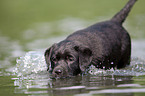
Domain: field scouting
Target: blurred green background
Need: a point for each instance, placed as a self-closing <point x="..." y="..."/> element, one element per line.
<point x="16" y="16"/>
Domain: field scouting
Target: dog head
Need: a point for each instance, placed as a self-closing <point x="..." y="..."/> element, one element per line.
<point x="67" y="58"/>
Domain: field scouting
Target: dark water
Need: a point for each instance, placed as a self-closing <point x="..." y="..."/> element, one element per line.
<point x="28" y="27"/>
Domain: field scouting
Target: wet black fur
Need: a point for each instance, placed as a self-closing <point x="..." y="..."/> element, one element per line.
<point x="105" y="45"/>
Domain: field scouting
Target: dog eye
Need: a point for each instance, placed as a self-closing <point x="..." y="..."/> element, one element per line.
<point x="54" y="60"/>
<point x="69" y="58"/>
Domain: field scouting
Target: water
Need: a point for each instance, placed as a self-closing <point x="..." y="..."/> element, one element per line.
<point x="24" y="73"/>
<point x="27" y="28"/>
<point x="33" y="79"/>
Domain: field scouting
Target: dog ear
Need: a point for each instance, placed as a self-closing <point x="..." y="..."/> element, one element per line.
<point x="85" y="56"/>
<point x="47" y="55"/>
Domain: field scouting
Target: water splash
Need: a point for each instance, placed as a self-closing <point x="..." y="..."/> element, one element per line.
<point x="31" y="62"/>
<point x="31" y="73"/>
<point x="136" y="68"/>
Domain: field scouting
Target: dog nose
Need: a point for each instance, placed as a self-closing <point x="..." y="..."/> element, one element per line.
<point x="58" y="72"/>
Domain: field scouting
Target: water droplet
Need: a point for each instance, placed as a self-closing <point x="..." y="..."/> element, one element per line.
<point x="112" y="63"/>
<point x="103" y="67"/>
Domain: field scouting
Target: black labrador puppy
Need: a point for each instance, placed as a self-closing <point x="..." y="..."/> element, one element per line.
<point x="105" y="45"/>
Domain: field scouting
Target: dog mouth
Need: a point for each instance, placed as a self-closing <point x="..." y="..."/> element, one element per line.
<point x="60" y="73"/>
